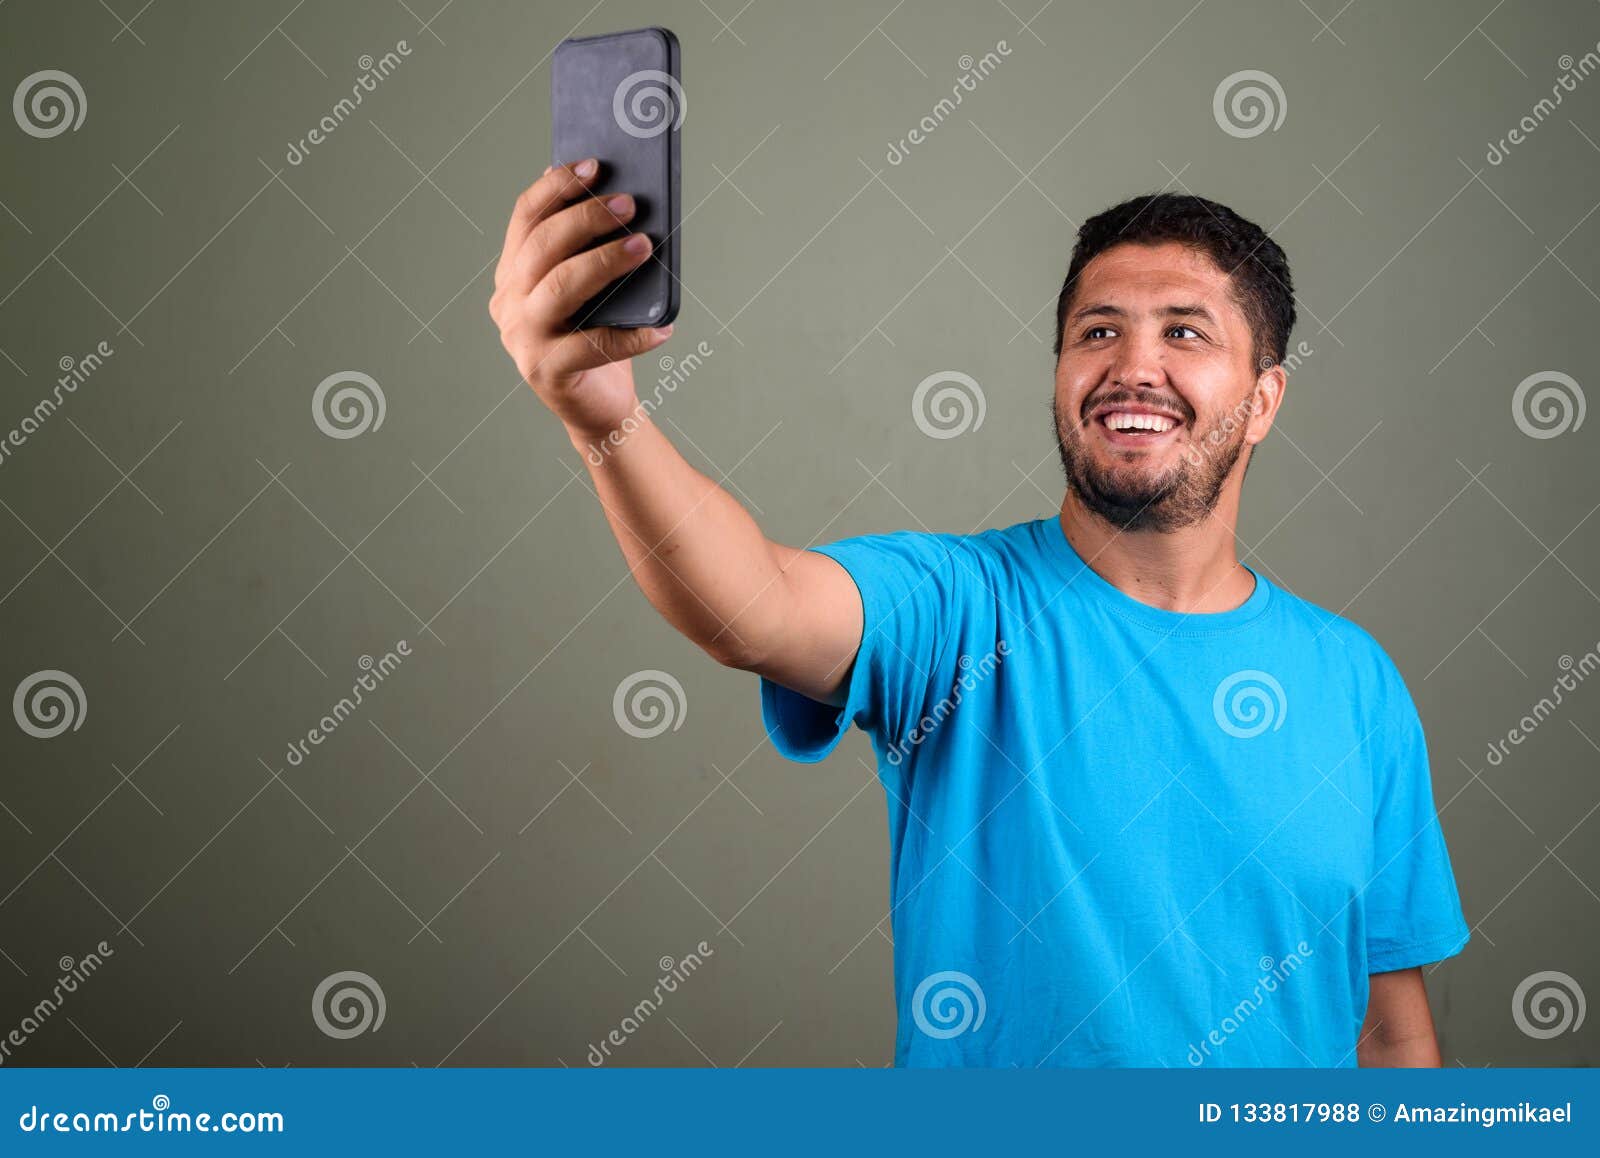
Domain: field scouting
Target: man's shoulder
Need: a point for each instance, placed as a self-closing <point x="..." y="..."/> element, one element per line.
<point x="1007" y="546"/>
<point x="1343" y="643"/>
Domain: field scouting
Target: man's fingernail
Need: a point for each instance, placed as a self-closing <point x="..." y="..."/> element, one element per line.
<point x="664" y="331"/>
<point x="621" y="205"/>
<point x="586" y="169"/>
<point x="636" y="244"/>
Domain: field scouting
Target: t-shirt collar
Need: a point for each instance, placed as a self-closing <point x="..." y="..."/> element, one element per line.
<point x="1092" y="585"/>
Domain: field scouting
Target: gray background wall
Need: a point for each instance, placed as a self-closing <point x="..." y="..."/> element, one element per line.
<point x="482" y="838"/>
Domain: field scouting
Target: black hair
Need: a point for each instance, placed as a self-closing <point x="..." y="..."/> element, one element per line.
<point x="1256" y="264"/>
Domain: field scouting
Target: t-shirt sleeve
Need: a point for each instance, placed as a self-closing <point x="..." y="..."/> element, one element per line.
<point x="909" y="583"/>
<point x="1413" y="910"/>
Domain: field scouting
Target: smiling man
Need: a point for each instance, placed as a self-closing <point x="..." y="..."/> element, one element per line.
<point x="1145" y="807"/>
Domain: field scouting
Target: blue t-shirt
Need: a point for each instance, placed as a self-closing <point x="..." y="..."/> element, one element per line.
<point x="1125" y="836"/>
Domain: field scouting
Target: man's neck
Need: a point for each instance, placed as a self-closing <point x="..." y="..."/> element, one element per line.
<point x="1190" y="570"/>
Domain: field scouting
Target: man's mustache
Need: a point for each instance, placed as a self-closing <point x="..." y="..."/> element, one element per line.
<point x="1133" y="398"/>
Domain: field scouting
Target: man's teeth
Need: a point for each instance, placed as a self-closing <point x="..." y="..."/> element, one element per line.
<point x="1154" y="422"/>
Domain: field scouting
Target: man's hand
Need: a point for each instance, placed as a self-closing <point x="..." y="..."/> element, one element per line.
<point x="545" y="275"/>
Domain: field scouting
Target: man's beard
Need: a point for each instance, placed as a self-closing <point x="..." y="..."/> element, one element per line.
<point x="1132" y="498"/>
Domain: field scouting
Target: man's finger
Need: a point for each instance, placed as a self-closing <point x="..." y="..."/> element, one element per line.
<point x="565" y="288"/>
<point x="587" y="349"/>
<point x="563" y="234"/>
<point x="558" y="185"/>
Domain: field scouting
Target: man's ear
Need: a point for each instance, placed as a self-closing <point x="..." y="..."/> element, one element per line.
<point x="1268" y="396"/>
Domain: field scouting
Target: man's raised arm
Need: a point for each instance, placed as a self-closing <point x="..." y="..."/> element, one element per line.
<point x="791" y="615"/>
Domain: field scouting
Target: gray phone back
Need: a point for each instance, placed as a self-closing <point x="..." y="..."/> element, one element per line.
<point x="618" y="98"/>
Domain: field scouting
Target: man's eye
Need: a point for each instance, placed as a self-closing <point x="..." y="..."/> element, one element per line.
<point x="1097" y="332"/>
<point x="1192" y="331"/>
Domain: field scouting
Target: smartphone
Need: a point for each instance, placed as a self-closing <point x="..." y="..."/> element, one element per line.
<point x="619" y="98"/>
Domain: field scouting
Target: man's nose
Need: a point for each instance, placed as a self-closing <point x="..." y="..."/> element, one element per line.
<point x="1139" y="364"/>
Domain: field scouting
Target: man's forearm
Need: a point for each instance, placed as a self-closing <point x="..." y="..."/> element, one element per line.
<point x="1398" y="1028"/>
<point x="791" y="615"/>
<point x="699" y="557"/>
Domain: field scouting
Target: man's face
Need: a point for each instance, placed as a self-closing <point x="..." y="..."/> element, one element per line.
<point x="1156" y="388"/>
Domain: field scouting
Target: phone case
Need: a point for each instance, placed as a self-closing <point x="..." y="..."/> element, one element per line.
<point x="618" y="98"/>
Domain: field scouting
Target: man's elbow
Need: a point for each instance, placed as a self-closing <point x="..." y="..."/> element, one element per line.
<point x="1415" y="1049"/>
<point x="731" y="651"/>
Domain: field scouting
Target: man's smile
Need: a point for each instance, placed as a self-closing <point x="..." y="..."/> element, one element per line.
<point x="1123" y="425"/>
